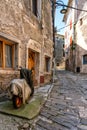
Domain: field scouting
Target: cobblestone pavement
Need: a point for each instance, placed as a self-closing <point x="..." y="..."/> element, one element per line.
<point x="65" y="108"/>
<point x="8" y="122"/>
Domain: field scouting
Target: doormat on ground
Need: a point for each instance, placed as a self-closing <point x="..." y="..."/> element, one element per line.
<point x="28" y="111"/>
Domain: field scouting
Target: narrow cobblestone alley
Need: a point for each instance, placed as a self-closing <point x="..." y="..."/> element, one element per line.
<point x="65" y="108"/>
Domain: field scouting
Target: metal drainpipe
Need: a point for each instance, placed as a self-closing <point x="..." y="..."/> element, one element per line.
<point x="53" y="20"/>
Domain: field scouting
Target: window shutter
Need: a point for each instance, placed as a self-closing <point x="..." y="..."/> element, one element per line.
<point x="29" y="4"/>
<point x="39" y="9"/>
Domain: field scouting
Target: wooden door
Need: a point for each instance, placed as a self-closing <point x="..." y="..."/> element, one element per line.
<point x="31" y="62"/>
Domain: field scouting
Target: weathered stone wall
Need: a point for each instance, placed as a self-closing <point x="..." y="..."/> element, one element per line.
<point x="79" y="59"/>
<point x="47" y="46"/>
<point x="81" y="5"/>
<point x="81" y="36"/>
<point x="6" y="77"/>
<point x="47" y="78"/>
<point x="47" y="19"/>
<point x="59" y="47"/>
<point x="18" y="22"/>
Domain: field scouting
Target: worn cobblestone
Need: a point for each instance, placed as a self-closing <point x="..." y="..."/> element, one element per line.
<point x="65" y="107"/>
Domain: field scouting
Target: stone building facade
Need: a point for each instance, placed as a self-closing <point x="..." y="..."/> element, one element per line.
<point x="59" y="49"/>
<point x="75" y="37"/>
<point x="25" y="39"/>
<point x="81" y="37"/>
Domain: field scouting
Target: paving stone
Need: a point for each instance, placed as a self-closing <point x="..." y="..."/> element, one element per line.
<point x="46" y="125"/>
<point x="26" y="125"/>
<point x="70" y="113"/>
<point x="65" y="108"/>
<point x="53" y="95"/>
<point x="83" y="121"/>
<point x="45" y="114"/>
<point x="82" y="127"/>
<point x="48" y="113"/>
<point x="60" y="127"/>
<point x="37" y="127"/>
<point x="58" y="101"/>
<point x="82" y="112"/>
<point x="64" y="121"/>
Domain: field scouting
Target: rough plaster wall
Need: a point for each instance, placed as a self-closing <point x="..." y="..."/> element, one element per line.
<point x="80" y="53"/>
<point x="47" y="46"/>
<point x="10" y="17"/>
<point x="82" y="36"/>
<point x="47" y="19"/>
<point x="59" y="50"/>
<point x="6" y="77"/>
<point x="81" y="33"/>
<point x="17" y="20"/>
<point x="82" y="4"/>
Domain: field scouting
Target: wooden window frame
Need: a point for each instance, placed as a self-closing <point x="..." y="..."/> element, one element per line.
<point x="5" y="42"/>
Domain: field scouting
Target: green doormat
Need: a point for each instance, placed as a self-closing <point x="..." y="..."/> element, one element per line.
<point x="28" y="111"/>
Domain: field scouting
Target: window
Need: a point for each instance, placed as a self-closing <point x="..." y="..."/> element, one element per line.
<point x="81" y="21"/>
<point x="47" y="64"/>
<point x="63" y="46"/>
<point x="85" y="59"/>
<point x="63" y="53"/>
<point x="1" y="55"/>
<point x="8" y="54"/>
<point x="34" y="7"/>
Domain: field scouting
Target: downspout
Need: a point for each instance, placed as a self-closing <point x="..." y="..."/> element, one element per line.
<point x="53" y="21"/>
<point x="74" y="37"/>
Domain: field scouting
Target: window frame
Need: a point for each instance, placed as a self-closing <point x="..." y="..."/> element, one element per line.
<point x="35" y="8"/>
<point x="1" y="53"/>
<point x="6" y="42"/>
<point x="84" y="61"/>
<point x="47" y="68"/>
<point x="81" y="21"/>
<point x="38" y="7"/>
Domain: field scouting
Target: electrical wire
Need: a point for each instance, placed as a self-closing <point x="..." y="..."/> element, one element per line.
<point x="59" y="4"/>
<point x="69" y="24"/>
<point x="75" y="8"/>
<point x="63" y="27"/>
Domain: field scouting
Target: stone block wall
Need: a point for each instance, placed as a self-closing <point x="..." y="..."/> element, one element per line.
<point x="20" y="25"/>
<point x="47" y="77"/>
<point x="81" y="39"/>
<point x="59" y="48"/>
<point x="5" y="79"/>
